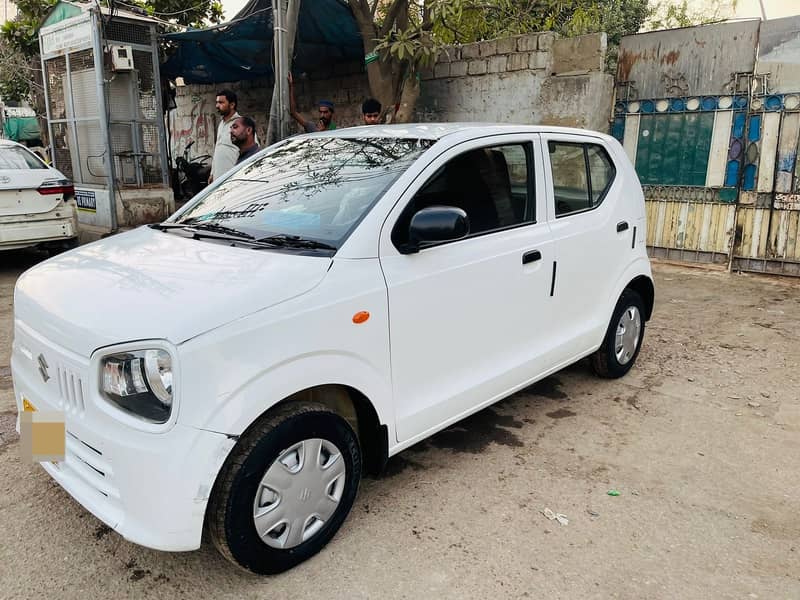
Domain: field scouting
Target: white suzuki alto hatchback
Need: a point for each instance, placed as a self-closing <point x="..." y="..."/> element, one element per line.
<point x="338" y="298"/>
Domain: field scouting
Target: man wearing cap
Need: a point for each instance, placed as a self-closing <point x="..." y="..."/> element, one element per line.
<point x="325" y="121"/>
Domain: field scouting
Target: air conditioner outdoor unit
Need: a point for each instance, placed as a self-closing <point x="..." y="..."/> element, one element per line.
<point x="121" y="58"/>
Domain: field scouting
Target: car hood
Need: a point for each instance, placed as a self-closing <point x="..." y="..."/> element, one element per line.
<point x="149" y="284"/>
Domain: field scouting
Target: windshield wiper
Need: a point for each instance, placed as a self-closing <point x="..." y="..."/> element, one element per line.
<point x="295" y="241"/>
<point x="213" y="227"/>
<point x="280" y="240"/>
<point x="165" y="225"/>
<point x="217" y="228"/>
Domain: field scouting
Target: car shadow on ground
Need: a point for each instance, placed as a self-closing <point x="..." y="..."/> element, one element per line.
<point x="19" y="260"/>
<point x="499" y="423"/>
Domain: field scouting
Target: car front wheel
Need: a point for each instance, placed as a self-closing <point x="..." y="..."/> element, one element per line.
<point x="623" y="338"/>
<point x="286" y="488"/>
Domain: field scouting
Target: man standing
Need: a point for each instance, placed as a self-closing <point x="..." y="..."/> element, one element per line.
<point x="243" y="136"/>
<point x="225" y="153"/>
<point x="371" y="111"/>
<point x="325" y="122"/>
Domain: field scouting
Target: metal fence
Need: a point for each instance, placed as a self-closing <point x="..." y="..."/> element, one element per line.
<point x="136" y="129"/>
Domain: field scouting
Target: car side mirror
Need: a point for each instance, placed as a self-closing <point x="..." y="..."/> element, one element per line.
<point x="436" y="224"/>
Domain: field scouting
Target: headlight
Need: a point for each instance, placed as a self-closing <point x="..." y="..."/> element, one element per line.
<point x="139" y="382"/>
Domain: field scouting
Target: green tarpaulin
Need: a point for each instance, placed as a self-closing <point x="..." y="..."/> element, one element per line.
<point x="21" y="129"/>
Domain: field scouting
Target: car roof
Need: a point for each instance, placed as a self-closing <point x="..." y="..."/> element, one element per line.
<point x="437" y="131"/>
<point x="9" y="143"/>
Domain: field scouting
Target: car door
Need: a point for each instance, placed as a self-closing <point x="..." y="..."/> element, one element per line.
<point x="469" y="320"/>
<point x="592" y="228"/>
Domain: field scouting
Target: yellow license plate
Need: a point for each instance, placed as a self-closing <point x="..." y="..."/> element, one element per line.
<point x="28" y="407"/>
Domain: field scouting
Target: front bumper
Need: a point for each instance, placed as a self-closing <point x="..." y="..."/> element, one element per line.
<point x="151" y="488"/>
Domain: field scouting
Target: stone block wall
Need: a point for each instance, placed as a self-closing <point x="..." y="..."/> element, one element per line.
<point x="537" y="78"/>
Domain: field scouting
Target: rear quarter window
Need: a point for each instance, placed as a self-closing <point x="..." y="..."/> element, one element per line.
<point x="582" y="175"/>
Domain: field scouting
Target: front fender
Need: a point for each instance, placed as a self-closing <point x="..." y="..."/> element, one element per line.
<point x="234" y="412"/>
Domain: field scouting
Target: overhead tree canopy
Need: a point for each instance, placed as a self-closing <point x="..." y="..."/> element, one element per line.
<point x="20" y="71"/>
<point x="194" y="13"/>
<point x="402" y="35"/>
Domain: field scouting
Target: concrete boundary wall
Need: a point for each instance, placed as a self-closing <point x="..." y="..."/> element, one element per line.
<point x="533" y="79"/>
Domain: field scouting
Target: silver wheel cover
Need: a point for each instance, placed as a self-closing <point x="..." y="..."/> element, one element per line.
<point x="299" y="493"/>
<point x="626" y="339"/>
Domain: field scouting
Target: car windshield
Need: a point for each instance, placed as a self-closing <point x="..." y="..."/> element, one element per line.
<point x="314" y="189"/>
<point x="19" y="158"/>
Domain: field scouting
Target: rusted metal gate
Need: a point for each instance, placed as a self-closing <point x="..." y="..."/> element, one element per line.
<point x="686" y="151"/>
<point x="768" y="210"/>
<point x="713" y="131"/>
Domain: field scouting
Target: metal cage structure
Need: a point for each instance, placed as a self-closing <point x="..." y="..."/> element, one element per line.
<point x="104" y="114"/>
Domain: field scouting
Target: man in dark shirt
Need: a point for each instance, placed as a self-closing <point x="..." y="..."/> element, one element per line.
<point x="243" y="136"/>
<point x="325" y="121"/>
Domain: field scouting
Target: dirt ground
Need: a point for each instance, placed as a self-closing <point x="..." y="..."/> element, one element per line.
<point x="700" y="439"/>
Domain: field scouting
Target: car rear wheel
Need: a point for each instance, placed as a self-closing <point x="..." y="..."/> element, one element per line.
<point x="286" y="488"/>
<point x="623" y="338"/>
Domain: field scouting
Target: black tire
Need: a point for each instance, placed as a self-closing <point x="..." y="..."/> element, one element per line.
<point x="604" y="361"/>
<point x="229" y="517"/>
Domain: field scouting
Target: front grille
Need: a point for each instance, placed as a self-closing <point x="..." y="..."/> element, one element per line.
<point x="89" y="464"/>
<point x="70" y="391"/>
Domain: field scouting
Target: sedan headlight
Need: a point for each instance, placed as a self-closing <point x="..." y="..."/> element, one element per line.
<point x="139" y="382"/>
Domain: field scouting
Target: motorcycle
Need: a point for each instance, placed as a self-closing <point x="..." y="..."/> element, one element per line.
<point x="192" y="173"/>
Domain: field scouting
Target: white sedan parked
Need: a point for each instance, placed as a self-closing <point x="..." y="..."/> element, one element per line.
<point x="335" y="299"/>
<point x="37" y="205"/>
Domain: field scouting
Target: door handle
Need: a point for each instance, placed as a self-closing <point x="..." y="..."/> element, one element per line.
<point x="622" y="226"/>
<point x="531" y="256"/>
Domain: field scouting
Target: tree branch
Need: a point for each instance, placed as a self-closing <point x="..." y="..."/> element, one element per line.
<point x="395" y="13"/>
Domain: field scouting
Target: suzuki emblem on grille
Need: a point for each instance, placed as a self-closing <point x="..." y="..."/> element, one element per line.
<point x="43" y="368"/>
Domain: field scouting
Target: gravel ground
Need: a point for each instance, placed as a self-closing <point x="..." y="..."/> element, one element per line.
<point x="700" y="439"/>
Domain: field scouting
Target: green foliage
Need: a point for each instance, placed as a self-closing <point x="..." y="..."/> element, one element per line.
<point x="14" y="88"/>
<point x="499" y="18"/>
<point x="194" y="13"/>
<point x="17" y="74"/>
<point x="417" y="36"/>
<point x="679" y="13"/>
<point x="22" y="33"/>
<point x="425" y="29"/>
